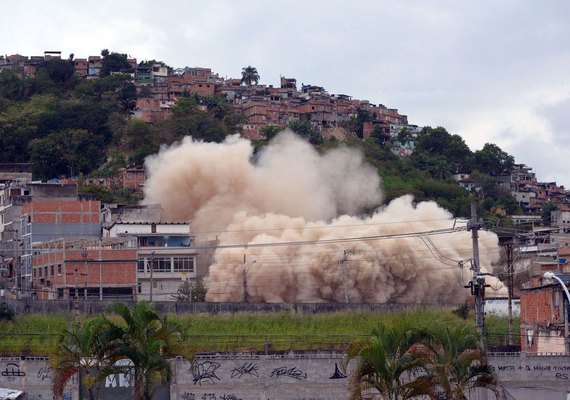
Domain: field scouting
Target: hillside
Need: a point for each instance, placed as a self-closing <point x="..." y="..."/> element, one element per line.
<point x="69" y="125"/>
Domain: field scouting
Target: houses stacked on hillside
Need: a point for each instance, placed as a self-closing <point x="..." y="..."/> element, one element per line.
<point x="159" y="87"/>
<point x="530" y="194"/>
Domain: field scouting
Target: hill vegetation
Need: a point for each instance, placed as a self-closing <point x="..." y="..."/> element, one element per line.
<point x="66" y="126"/>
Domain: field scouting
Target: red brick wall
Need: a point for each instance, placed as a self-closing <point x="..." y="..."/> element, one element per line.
<point x="537" y="307"/>
<point x="109" y="266"/>
<point x="63" y="211"/>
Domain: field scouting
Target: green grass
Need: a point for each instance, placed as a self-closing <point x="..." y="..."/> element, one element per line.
<point x="38" y="334"/>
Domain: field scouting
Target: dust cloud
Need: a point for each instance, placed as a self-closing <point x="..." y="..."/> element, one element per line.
<point x="287" y="225"/>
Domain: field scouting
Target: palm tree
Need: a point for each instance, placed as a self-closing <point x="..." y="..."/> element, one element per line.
<point x="455" y="362"/>
<point x="384" y="363"/>
<point x="147" y="341"/>
<point x="83" y="349"/>
<point x="249" y="75"/>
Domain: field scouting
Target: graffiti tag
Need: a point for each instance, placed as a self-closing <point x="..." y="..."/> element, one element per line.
<point x="44" y="373"/>
<point x="288" y="372"/>
<point x="205" y="372"/>
<point x="250" y="369"/>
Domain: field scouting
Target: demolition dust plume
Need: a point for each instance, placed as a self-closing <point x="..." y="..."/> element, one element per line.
<point x="287" y="228"/>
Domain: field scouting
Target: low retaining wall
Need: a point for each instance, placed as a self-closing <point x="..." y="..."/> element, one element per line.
<point x="289" y="376"/>
<point x="89" y="307"/>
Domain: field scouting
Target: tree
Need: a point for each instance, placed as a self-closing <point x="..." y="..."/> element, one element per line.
<point x="7" y="313"/>
<point x="492" y="160"/>
<point x="435" y="142"/>
<point x="190" y="292"/>
<point x="147" y="340"/>
<point x="114" y="62"/>
<point x="83" y="349"/>
<point x="249" y="75"/>
<point x="270" y="131"/>
<point x="304" y="129"/>
<point x="454" y="361"/>
<point x="385" y="363"/>
<point x="60" y="152"/>
<point x="546" y="215"/>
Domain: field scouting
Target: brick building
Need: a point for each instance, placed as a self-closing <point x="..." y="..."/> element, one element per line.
<point x="544" y="307"/>
<point x="53" y="211"/>
<point x="85" y="269"/>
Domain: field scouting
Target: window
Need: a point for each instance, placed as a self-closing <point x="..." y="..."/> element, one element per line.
<point x="162" y="264"/>
<point x="140" y="265"/>
<point x="45" y="271"/>
<point x="59" y="269"/>
<point x="51" y="268"/>
<point x="183" y="264"/>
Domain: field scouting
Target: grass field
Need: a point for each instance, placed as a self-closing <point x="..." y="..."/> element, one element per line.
<point x="37" y="335"/>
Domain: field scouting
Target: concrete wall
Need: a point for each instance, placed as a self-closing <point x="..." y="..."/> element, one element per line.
<point x="165" y="307"/>
<point x="294" y="376"/>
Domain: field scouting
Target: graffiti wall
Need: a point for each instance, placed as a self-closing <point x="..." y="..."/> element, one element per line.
<point x="242" y="377"/>
<point x="291" y="376"/>
<point x="33" y="375"/>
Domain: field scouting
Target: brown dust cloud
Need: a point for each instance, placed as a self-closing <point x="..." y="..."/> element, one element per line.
<point x="289" y="227"/>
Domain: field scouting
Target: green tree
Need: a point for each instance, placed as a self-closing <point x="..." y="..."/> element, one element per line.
<point x="437" y="142"/>
<point x="22" y="122"/>
<point x="455" y="362"/>
<point x="270" y="131"/>
<point x="249" y="75"/>
<point x="83" y="349"/>
<point x="61" y="152"/>
<point x="386" y="364"/>
<point x="12" y="87"/>
<point x="191" y="292"/>
<point x="492" y="160"/>
<point x="546" y="211"/>
<point x="147" y="340"/>
<point x="304" y="129"/>
<point x="114" y="62"/>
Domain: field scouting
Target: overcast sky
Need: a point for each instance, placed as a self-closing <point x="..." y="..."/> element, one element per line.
<point x="490" y="71"/>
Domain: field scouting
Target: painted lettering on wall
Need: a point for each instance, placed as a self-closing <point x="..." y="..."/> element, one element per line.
<point x="249" y="368"/>
<point x="118" y="380"/>
<point x="205" y="372"/>
<point x="560" y="372"/>
<point x="210" y="396"/>
<point x="288" y="372"/>
<point x="44" y="373"/>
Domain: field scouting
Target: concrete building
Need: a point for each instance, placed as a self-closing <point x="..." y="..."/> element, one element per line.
<point x="166" y="255"/>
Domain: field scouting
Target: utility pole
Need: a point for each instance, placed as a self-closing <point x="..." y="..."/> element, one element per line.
<point x="245" y="271"/>
<point x="341" y="262"/>
<point x="477" y="283"/>
<point x="151" y="274"/>
<point x="510" y="283"/>
<point x="76" y="298"/>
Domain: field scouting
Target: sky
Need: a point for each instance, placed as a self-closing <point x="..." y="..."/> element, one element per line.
<point x="490" y="71"/>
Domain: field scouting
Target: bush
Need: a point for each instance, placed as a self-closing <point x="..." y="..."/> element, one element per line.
<point x="7" y="313"/>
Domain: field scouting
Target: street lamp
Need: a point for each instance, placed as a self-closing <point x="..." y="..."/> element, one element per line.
<point x="245" y="271"/>
<point x="551" y="275"/>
